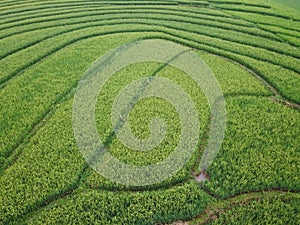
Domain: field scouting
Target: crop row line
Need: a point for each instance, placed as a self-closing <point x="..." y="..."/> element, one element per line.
<point x="35" y="127"/>
<point x="225" y="54"/>
<point x="271" y="88"/>
<point x="276" y="25"/>
<point x="16" y="152"/>
<point x="239" y="41"/>
<point x="261" y="22"/>
<point x="284" y="36"/>
<point x="275" y="28"/>
<point x="74" y="189"/>
<point x="244" y="31"/>
<point x="46" y="12"/>
<point x="55" y="1"/>
<point x="6" y="4"/>
<point x="4" y="80"/>
<point x="193" y="3"/>
<point x="243" y="198"/>
<point x="275" y="32"/>
<point x="210" y="210"/>
<point x="240" y="3"/>
<point x="52" y="198"/>
<point x="278" y="98"/>
<point x="113" y="8"/>
<point x="260" y="25"/>
<point x="30" y="3"/>
<point x="58" y="9"/>
<point x="95" y="19"/>
<point x="16" y="3"/>
<point x="221" y="20"/>
<point x="109" y="10"/>
<point x="52" y="5"/>
<point x="175" y="20"/>
<point x="96" y="13"/>
<point x="286" y="103"/>
<point x="39" y="9"/>
<point x="244" y="10"/>
<point x="284" y="31"/>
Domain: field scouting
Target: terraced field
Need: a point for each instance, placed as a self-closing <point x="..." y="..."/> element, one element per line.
<point x="253" y="49"/>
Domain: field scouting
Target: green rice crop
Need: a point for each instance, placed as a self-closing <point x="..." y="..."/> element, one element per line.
<point x="252" y="49"/>
<point x="249" y="159"/>
<point x="275" y="208"/>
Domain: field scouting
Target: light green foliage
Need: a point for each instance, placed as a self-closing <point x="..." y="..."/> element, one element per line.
<point x="232" y="78"/>
<point x="229" y="76"/>
<point x="42" y="86"/>
<point x="141" y="115"/>
<point x="290" y="36"/>
<point x="268" y="20"/>
<point x="10" y="45"/>
<point x="260" y="150"/>
<point x="144" y="111"/>
<point x="48" y="166"/>
<point x="104" y="207"/>
<point x="292" y="4"/>
<point x="283" y="79"/>
<point x="287" y="82"/>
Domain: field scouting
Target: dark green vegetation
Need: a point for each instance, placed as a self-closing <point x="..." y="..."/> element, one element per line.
<point x="251" y="46"/>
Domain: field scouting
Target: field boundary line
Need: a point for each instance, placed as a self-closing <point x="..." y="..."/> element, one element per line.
<point x="127" y="10"/>
<point x="222" y="205"/>
<point x="222" y="27"/>
<point x="231" y="58"/>
<point x="6" y="79"/>
<point x="103" y="4"/>
<point x="258" y="26"/>
<point x="278" y="16"/>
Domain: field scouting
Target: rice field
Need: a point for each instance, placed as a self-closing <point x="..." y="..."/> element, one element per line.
<point x="253" y="49"/>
